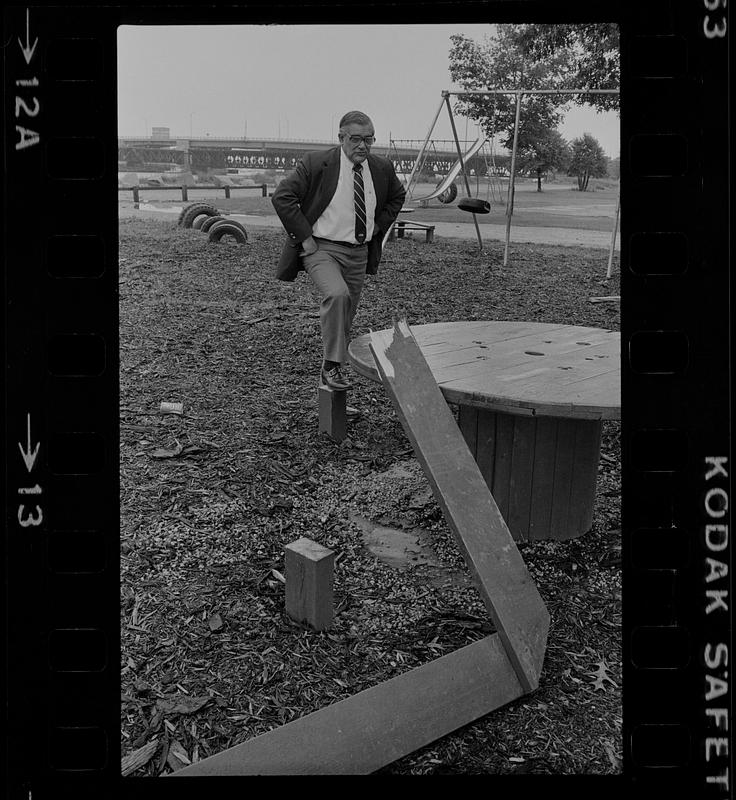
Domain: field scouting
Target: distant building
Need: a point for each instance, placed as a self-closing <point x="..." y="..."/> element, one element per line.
<point x="160" y="133"/>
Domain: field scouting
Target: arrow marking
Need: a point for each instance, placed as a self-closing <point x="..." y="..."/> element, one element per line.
<point x="29" y="456"/>
<point x="28" y="49"/>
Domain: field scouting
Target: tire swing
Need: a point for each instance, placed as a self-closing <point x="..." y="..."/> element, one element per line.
<point x="191" y="212"/>
<point x="228" y="227"/>
<point x="448" y="195"/>
<point x="475" y="205"/>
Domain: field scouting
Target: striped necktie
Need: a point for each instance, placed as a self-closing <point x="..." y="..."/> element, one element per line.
<point x="359" y="198"/>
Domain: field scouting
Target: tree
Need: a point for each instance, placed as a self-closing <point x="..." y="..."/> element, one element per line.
<point x="500" y="62"/>
<point x="588" y="160"/>
<point x="594" y="57"/>
<point x="550" y="151"/>
<point x="614" y="167"/>
<point x="536" y="57"/>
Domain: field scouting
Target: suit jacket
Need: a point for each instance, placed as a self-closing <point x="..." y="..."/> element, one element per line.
<point x="303" y="195"/>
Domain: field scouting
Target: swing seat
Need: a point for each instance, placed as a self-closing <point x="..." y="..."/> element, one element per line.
<point x="475" y="205"/>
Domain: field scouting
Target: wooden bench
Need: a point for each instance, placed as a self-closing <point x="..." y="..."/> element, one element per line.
<point x="398" y="228"/>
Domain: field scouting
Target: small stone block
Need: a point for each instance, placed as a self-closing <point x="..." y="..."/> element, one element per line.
<point x="332" y="415"/>
<point x="309" y="569"/>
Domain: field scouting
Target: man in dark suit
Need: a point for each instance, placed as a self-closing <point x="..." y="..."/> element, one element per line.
<point x="336" y="207"/>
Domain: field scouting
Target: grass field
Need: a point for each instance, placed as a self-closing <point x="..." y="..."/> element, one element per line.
<point x="558" y="205"/>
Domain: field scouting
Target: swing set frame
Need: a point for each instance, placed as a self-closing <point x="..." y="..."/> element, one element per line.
<point x="519" y="93"/>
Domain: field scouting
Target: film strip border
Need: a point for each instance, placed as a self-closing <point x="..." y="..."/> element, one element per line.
<point x="62" y="420"/>
<point x="61" y="407"/>
<point x="675" y="389"/>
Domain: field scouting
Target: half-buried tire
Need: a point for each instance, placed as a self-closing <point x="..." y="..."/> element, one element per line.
<point x="187" y="209"/>
<point x="201" y="219"/>
<point x="188" y="215"/>
<point x="208" y="222"/>
<point x="228" y="228"/>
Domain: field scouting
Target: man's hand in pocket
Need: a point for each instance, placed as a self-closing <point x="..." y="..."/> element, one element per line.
<point x="309" y="246"/>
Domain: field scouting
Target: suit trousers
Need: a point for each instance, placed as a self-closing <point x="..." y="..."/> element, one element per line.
<point x="338" y="273"/>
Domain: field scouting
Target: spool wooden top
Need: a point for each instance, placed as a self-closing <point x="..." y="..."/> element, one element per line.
<point x="528" y="368"/>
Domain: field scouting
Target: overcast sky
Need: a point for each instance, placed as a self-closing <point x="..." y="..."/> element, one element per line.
<point x="296" y="81"/>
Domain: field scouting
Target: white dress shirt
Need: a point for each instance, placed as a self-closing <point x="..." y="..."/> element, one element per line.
<point x="337" y="221"/>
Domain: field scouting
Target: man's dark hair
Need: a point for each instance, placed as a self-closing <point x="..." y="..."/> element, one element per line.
<point x="357" y="117"/>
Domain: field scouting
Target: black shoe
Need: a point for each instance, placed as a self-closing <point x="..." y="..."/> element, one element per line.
<point x="335" y="380"/>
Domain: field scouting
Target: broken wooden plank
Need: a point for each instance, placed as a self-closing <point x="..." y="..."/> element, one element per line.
<point x="377" y="726"/>
<point x="309" y="569"/>
<point x="138" y="758"/>
<point x="511" y="597"/>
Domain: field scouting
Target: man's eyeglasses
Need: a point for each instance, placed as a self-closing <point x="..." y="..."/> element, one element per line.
<point x="358" y="139"/>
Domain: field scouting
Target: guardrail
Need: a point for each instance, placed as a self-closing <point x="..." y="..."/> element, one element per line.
<point x="184" y="189"/>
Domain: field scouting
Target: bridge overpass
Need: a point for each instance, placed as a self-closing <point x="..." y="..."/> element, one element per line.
<point x="215" y="153"/>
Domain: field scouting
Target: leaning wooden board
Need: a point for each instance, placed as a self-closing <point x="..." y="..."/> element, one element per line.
<point x="510" y="594"/>
<point x="365" y="732"/>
